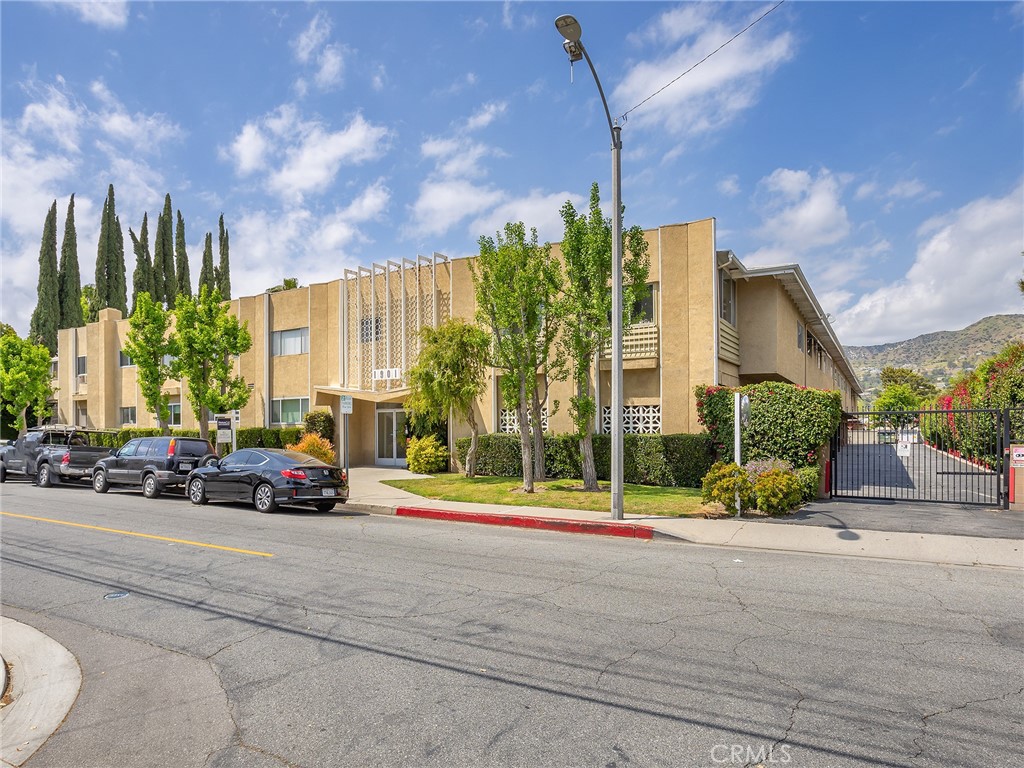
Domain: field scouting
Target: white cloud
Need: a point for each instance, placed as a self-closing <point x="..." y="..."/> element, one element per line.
<point x="729" y="186"/>
<point x="717" y="91"/>
<point x="331" y="67"/>
<point x="248" y="150"/>
<point x="536" y="209"/>
<point x="57" y="115"/>
<point x="801" y="212"/>
<point x="510" y="19"/>
<point x="379" y="79"/>
<point x="105" y="14"/>
<point x="312" y="38"/>
<point x="486" y="115"/>
<point x="370" y="205"/>
<point x="966" y="267"/>
<point x="144" y="133"/>
<point x="444" y="202"/>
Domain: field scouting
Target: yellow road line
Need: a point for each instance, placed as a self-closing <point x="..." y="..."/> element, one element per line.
<point x="140" y="535"/>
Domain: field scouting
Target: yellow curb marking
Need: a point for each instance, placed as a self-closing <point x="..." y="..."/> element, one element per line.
<point x="140" y="535"/>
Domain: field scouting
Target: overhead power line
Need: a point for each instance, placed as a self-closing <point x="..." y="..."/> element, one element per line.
<point x="672" y="82"/>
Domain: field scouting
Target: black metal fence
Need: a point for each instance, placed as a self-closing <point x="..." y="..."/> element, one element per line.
<point x="956" y="456"/>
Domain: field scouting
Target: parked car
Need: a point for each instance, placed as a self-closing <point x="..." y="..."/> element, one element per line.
<point x="53" y="453"/>
<point x="269" y="477"/>
<point x="152" y="463"/>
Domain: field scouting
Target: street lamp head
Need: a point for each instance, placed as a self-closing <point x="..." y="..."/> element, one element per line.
<point x="569" y="28"/>
<point x="575" y="50"/>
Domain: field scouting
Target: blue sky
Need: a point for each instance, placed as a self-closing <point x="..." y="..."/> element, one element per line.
<point x="878" y="145"/>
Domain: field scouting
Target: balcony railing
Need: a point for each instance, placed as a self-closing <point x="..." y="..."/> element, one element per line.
<point x="637" y="342"/>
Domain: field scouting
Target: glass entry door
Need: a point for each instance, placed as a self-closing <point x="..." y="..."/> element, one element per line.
<point x="390" y="435"/>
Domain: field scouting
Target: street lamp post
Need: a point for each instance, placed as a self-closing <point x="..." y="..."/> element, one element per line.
<point x="571" y="32"/>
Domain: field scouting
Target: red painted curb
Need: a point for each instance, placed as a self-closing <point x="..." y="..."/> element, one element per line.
<point x="625" y="530"/>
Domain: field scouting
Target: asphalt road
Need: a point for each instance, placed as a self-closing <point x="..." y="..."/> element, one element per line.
<point x="376" y="641"/>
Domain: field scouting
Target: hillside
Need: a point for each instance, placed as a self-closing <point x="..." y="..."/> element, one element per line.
<point x="940" y="355"/>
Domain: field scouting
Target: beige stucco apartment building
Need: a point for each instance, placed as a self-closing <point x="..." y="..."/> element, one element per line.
<point x="707" y="320"/>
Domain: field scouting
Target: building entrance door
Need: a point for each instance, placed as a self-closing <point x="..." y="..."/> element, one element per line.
<point x="390" y="435"/>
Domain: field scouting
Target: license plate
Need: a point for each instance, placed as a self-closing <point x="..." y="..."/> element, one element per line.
<point x="328" y="491"/>
<point x="186" y="465"/>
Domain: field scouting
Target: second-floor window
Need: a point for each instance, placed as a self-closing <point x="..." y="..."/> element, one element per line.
<point x="291" y="342"/>
<point x="643" y="308"/>
<point x="727" y="298"/>
<point x="175" y="420"/>
<point x="799" y="335"/>
<point x="80" y="365"/>
<point x="123" y="360"/>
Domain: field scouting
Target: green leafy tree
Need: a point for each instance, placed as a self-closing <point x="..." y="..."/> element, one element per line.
<point x="448" y="376"/>
<point x="207" y="337"/>
<point x="70" y="280"/>
<point x="46" y="316"/>
<point x="142" y="278"/>
<point x="587" y="300"/>
<point x="898" y="401"/>
<point x="288" y="284"/>
<point x="111" y="283"/>
<point x="149" y="344"/>
<point x="513" y="278"/>
<point x="182" y="276"/>
<point x="163" y="257"/>
<point x="24" y="378"/>
<point x="919" y="385"/>
<point x="90" y="302"/>
<point x="207" y="276"/>
<point x="223" y="273"/>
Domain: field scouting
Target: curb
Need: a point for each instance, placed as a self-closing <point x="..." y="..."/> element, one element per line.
<point x="623" y="530"/>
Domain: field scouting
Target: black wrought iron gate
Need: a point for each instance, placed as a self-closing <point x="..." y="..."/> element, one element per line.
<point x="958" y="456"/>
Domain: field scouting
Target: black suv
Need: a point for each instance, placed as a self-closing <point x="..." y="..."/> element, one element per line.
<point x="155" y="463"/>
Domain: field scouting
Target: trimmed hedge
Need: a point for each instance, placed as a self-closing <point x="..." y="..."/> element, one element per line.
<point x="122" y="436"/>
<point x="665" y="460"/>
<point x="267" y="437"/>
<point x="786" y="421"/>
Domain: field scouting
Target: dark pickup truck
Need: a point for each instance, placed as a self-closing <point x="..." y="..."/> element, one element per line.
<point x="51" y="454"/>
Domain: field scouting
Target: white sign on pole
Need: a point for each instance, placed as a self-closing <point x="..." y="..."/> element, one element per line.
<point x="224" y="430"/>
<point x="346" y="404"/>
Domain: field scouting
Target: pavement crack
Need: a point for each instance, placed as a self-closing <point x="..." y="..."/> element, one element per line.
<point x="926" y="718"/>
<point x="625" y="659"/>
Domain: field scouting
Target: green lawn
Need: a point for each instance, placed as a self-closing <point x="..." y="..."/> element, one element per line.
<point x="562" y="494"/>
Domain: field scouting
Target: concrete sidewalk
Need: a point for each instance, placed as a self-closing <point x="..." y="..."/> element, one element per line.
<point x="369" y="494"/>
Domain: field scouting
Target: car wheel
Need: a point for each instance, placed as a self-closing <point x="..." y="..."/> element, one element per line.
<point x="207" y="461"/>
<point x="197" y="491"/>
<point x="43" y="477"/>
<point x="150" y="487"/>
<point x="324" y="506"/>
<point x="263" y="498"/>
<point x="99" y="481"/>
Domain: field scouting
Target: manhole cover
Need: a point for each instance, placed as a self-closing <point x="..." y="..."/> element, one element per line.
<point x="115" y="596"/>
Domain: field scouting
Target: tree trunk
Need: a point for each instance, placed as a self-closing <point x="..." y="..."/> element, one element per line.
<point x="165" y="428"/>
<point x="204" y="423"/>
<point x="474" y="440"/>
<point x="24" y="422"/>
<point x="537" y="427"/>
<point x="587" y="441"/>
<point x="524" y="438"/>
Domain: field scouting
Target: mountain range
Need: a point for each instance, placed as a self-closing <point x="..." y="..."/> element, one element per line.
<point x="939" y="356"/>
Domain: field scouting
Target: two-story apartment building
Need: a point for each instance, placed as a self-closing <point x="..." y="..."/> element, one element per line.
<point x="706" y="319"/>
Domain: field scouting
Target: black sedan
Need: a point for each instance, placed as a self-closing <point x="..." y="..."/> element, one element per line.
<point x="269" y="477"/>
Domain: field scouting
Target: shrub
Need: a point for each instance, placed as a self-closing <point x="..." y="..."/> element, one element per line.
<point x="320" y="423"/>
<point x="316" y="446"/>
<point x="786" y="421"/>
<point x="810" y="480"/>
<point x="758" y="467"/>
<point x="778" y="491"/>
<point x="426" y="455"/>
<point x="498" y="454"/>
<point x="249" y="437"/>
<point x="689" y="457"/>
<point x="644" y="461"/>
<point x="723" y="482"/>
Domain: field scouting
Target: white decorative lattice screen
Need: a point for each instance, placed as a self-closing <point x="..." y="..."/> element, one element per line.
<point x="636" y="419"/>
<point x="508" y="421"/>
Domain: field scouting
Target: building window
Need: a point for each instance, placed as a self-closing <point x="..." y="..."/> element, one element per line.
<point x="727" y="297"/>
<point x="799" y="335"/>
<point x="175" y="419"/>
<point x="293" y="342"/>
<point x="80" y="367"/>
<point x="53" y="368"/>
<point x="123" y="360"/>
<point x="289" y="410"/>
<point x="370" y="329"/>
<point x="81" y="415"/>
<point x="643" y="308"/>
<point x="128" y="415"/>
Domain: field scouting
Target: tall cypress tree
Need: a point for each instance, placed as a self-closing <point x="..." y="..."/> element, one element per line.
<point x="111" y="282"/>
<point x="46" y="317"/>
<point x="224" y="269"/>
<point x="142" y="278"/>
<point x="184" y="278"/>
<point x="163" y="256"/>
<point x="119" y="272"/>
<point x="207" y="276"/>
<point x="70" y="279"/>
